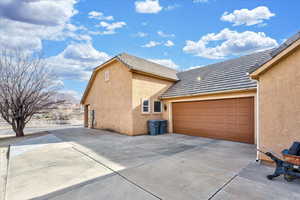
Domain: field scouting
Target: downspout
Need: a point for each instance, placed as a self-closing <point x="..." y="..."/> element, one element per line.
<point x="170" y="116"/>
<point x="257" y="122"/>
<point x="257" y="118"/>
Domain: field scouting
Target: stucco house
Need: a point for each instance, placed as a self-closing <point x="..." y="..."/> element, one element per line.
<point x="251" y="99"/>
<point x="278" y="92"/>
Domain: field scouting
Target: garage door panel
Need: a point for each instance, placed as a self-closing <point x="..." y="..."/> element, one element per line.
<point x="229" y="119"/>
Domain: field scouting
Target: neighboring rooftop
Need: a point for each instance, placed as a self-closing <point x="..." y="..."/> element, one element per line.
<point x="140" y="64"/>
<point x="224" y="76"/>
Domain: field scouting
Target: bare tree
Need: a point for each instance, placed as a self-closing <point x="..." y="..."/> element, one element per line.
<point x="27" y="87"/>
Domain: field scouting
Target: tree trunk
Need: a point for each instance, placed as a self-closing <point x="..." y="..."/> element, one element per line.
<point x="19" y="133"/>
<point x="18" y="127"/>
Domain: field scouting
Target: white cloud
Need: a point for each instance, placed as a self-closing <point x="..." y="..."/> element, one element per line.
<point x="169" y="43"/>
<point x="162" y="34"/>
<point x="58" y="83"/>
<point x="73" y="35"/>
<point x="248" y="17"/>
<point x="165" y="62"/>
<point x="151" y="44"/>
<point x="15" y="34"/>
<point x="71" y="95"/>
<point x="148" y="6"/>
<point x="140" y="34"/>
<point x="110" y="27"/>
<point x="72" y="27"/>
<point x="200" y="1"/>
<point x="46" y="12"/>
<point x="84" y="52"/>
<point x="194" y="67"/>
<point x="25" y="24"/>
<point x="99" y="16"/>
<point x="172" y="7"/>
<point x="76" y="61"/>
<point x="231" y="43"/>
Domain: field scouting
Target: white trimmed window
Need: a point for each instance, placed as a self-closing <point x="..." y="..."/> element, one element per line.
<point x="145" y="106"/>
<point x="106" y="75"/>
<point x="157" y="106"/>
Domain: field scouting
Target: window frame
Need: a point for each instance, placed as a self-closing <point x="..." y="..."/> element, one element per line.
<point x="142" y="106"/>
<point x="161" y="106"/>
<point x="106" y="75"/>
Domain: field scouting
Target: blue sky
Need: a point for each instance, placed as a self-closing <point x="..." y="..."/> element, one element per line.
<point x="76" y="36"/>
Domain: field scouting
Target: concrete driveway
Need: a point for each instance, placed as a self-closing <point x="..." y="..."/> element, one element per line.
<point x="91" y="164"/>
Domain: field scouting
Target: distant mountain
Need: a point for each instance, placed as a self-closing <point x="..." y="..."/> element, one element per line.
<point x="68" y="98"/>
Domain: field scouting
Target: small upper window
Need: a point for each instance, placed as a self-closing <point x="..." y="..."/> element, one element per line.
<point x="157" y="106"/>
<point x="145" y="106"/>
<point x="106" y="75"/>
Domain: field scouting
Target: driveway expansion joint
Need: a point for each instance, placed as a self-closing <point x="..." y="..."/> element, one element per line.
<point x="222" y="187"/>
<point x="117" y="173"/>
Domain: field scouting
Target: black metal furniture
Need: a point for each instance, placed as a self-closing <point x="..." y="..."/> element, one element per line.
<point x="289" y="166"/>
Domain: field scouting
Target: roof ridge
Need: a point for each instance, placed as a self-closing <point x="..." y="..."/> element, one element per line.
<point x="145" y="60"/>
<point x="288" y="42"/>
<point x="228" y="60"/>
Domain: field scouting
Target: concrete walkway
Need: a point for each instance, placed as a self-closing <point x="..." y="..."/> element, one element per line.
<point x="3" y="171"/>
<point x="91" y="164"/>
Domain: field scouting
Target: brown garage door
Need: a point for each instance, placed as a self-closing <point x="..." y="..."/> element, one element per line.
<point x="228" y="119"/>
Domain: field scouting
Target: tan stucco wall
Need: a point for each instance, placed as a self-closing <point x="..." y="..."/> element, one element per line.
<point x="279" y="102"/>
<point x="167" y="115"/>
<point x="150" y="88"/>
<point x="111" y="99"/>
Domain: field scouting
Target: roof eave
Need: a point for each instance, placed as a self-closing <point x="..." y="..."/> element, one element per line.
<point x="153" y="75"/>
<point x="271" y="62"/>
<point x="87" y="88"/>
<point x="210" y="93"/>
<point x="146" y="73"/>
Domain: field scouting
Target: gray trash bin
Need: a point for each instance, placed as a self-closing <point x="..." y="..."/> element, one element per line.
<point x="153" y="127"/>
<point x="163" y="126"/>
